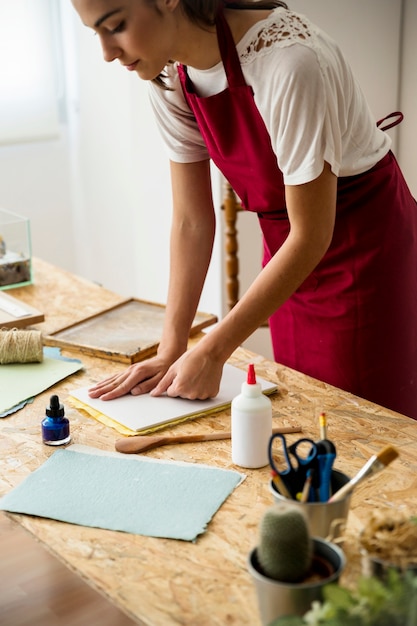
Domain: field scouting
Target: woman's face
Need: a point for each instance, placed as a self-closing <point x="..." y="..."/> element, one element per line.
<point x="141" y="34"/>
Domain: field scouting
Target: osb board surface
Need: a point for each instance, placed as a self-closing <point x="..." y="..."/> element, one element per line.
<point x="9" y="320"/>
<point x="128" y="332"/>
<point x="165" y="582"/>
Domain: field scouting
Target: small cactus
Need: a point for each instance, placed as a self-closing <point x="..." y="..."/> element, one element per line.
<point x="285" y="549"/>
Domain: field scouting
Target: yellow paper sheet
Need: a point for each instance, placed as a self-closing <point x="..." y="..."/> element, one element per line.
<point x="124" y="430"/>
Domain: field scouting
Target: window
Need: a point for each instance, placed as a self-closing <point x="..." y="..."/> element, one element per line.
<point x="29" y="77"/>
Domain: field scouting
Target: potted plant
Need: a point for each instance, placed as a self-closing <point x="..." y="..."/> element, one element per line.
<point x="374" y="602"/>
<point x="386" y="593"/>
<point x="289" y="567"/>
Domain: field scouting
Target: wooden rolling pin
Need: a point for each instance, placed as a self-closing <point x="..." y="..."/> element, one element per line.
<point x="140" y="443"/>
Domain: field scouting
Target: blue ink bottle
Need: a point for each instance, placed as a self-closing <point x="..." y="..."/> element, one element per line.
<point x="55" y="426"/>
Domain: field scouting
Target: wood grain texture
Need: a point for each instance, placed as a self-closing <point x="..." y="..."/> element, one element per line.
<point x="7" y="320"/>
<point x="162" y="582"/>
<point x="37" y="590"/>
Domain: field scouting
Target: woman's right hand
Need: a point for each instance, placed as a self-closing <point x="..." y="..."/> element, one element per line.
<point x="136" y="379"/>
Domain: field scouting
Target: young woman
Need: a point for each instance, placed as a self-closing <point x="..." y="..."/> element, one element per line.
<point x="270" y="99"/>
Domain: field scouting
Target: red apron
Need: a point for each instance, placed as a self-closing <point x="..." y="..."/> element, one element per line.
<point x="353" y="322"/>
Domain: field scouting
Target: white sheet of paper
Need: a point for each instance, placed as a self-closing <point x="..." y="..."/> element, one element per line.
<point x="143" y="412"/>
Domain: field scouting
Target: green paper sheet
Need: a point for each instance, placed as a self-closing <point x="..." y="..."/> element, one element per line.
<point x="132" y="494"/>
<point x="20" y="381"/>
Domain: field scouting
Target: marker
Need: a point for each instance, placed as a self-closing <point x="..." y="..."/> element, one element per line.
<point x="326" y="454"/>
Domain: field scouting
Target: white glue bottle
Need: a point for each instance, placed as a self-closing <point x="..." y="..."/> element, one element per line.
<point x="251" y="424"/>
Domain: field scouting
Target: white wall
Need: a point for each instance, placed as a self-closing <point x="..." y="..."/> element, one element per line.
<point x="34" y="182"/>
<point x="106" y="169"/>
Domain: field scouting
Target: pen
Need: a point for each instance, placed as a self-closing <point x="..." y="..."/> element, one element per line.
<point x="323" y="426"/>
<point x="306" y="489"/>
<point x="280" y="485"/>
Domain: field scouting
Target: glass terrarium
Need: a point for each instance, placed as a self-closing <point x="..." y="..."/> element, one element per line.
<point x="15" y="250"/>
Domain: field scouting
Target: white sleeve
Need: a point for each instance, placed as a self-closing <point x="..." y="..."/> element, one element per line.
<point x="315" y="111"/>
<point x="176" y="122"/>
<point x="295" y="112"/>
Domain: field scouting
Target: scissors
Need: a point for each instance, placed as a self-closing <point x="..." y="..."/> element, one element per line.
<point x="293" y="476"/>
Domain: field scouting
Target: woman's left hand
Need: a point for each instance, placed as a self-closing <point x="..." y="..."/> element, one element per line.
<point x="194" y="376"/>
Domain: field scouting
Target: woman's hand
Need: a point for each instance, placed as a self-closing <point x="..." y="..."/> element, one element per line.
<point x="137" y="379"/>
<point x="195" y="376"/>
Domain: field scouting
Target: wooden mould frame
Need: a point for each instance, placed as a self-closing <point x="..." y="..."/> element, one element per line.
<point x="127" y="332"/>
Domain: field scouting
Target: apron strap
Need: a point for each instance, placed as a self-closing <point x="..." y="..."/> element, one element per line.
<point x="396" y="114"/>
<point x="228" y="52"/>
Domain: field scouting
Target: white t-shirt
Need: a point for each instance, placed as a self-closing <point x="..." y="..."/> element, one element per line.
<point x="311" y="104"/>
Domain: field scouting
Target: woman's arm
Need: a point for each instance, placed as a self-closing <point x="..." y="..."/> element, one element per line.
<point x="192" y="236"/>
<point x="311" y="209"/>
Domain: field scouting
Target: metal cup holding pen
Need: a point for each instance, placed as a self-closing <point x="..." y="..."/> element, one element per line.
<point x="325" y="519"/>
<point x="314" y="461"/>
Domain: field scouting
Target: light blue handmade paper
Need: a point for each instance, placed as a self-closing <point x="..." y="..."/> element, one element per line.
<point x="139" y="496"/>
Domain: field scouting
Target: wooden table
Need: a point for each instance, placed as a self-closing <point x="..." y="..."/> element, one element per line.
<point x="162" y="582"/>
